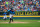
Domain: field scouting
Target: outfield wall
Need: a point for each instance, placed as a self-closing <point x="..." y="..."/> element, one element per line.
<point x="30" y="18"/>
<point x="21" y="15"/>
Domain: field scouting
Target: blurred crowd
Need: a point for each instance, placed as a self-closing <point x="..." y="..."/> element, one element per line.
<point x="20" y="5"/>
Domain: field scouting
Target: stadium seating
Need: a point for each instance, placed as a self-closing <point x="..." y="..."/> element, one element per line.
<point x="19" y="5"/>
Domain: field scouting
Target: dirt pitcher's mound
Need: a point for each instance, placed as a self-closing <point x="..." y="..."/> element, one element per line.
<point x="14" y="22"/>
<point x="19" y="22"/>
<point x="38" y="21"/>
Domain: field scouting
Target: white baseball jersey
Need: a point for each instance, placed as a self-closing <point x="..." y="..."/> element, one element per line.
<point x="5" y="16"/>
<point x="11" y="15"/>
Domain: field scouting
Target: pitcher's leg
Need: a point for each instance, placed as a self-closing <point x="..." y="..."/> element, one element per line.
<point x="10" y="20"/>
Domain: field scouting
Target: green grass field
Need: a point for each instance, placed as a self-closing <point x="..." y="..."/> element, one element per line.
<point x="32" y="23"/>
